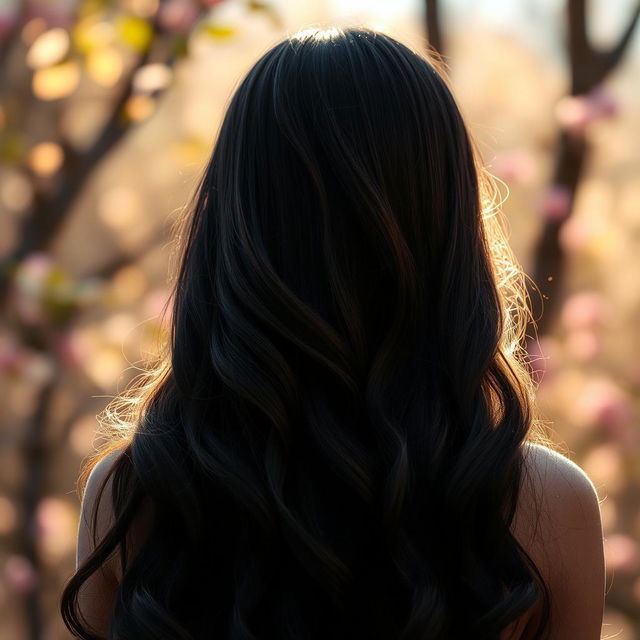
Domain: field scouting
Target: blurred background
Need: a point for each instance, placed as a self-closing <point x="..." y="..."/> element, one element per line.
<point x="109" y="109"/>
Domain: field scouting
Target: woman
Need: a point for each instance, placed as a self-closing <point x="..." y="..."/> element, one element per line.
<point x="340" y="439"/>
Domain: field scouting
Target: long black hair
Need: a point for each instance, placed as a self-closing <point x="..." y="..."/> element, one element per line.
<point x="332" y="440"/>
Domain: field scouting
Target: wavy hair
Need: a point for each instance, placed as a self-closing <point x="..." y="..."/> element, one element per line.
<point x="332" y="438"/>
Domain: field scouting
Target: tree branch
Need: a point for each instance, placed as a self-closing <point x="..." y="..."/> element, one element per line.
<point x="434" y="30"/>
<point x="590" y="67"/>
<point x="614" y="56"/>
<point x="34" y="455"/>
<point x="49" y="211"/>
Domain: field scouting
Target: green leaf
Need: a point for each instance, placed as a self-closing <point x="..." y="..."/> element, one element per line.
<point x="180" y="46"/>
<point x="12" y="146"/>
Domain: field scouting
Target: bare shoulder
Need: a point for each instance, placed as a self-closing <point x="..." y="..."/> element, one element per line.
<point x="100" y="506"/>
<point x="96" y="513"/>
<point x="556" y="492"/>
<point x="558" y="523"/>
<point x="96" y="596"/>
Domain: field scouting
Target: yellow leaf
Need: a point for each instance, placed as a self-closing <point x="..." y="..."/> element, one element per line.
<point x="218" y="30"/>
<point x="134" y="32"/>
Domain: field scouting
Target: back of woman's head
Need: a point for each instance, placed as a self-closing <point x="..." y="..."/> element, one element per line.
<point x="332" y="441"/>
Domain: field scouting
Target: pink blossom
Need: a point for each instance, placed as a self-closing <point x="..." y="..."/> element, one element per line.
<point x="20" y="574"/>
<point x="516" y="166"/>
<point x="601" y="103"/>
<point x="621" y="553"/>
<point x="54" y="525"/>
<point x="573" y="113"/>
<point x="556" y="203"/>
<point x="575" y="234"/>
<point x="604" y="404"/>
<point x="77" y="346"/>
<point x="7" y="22"/>
<point x="583" y="344"/>
<point x="584" y="310"/>
<point x="178" y="16"/>
<point x="576" y="113"/>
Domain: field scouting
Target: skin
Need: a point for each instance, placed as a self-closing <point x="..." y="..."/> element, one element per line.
<point x="97" y="596"/>
<point x="566" y="545"/>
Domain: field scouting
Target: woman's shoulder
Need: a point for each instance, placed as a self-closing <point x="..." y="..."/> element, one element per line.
<point x="556" y="494"/>
<point x="556" y="468"/>
<point x="102" y="473"/>
<point x="558" y="523"/>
